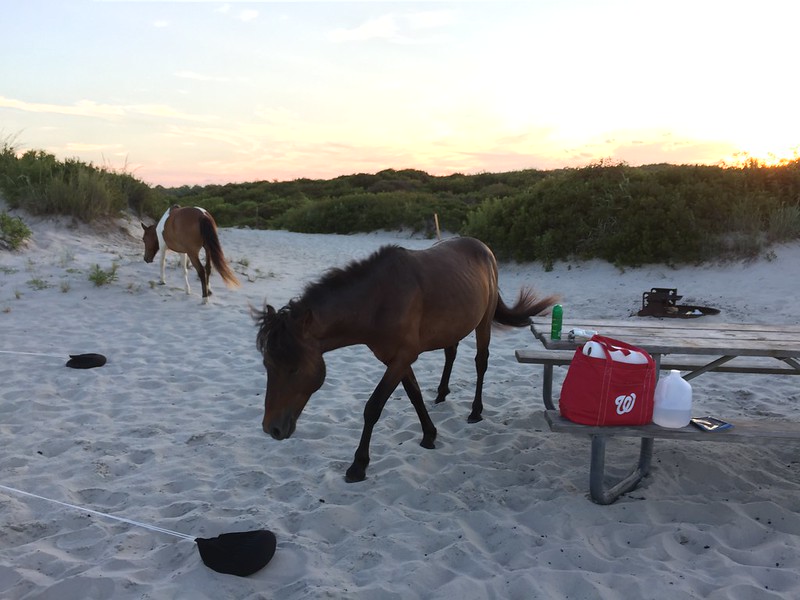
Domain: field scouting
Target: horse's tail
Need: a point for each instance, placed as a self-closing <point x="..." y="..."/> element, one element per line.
<point x="211" y="243"/>
<point x="527" y="305"/>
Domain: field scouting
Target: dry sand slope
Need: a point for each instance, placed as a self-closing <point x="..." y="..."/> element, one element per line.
<point x="168" y="433"/>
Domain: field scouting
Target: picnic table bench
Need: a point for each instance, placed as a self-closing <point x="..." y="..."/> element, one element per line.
<point x="694" y="348"/>
<point x="691" y="365"/>
<point x="743" y="430"/>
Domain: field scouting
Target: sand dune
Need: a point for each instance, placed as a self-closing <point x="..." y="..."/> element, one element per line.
<point x="168" y="433"/>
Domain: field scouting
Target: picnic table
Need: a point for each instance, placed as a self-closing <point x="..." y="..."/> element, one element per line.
<point x="690" y="346"/>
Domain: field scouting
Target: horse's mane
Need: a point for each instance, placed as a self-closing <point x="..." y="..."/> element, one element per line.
<point x="277" y="333"/>
<point x="337" y="278"/>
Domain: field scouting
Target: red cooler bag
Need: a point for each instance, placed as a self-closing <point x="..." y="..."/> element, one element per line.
<point x="609" y="382"/>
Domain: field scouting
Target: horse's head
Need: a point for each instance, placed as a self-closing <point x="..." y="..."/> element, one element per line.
<point x="294" y="364"/>
<point x="150" y="239"/>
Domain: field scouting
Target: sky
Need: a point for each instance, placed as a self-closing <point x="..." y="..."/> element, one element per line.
<point x="194" y="93"/>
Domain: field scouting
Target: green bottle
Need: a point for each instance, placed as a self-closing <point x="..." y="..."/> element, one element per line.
<point x="555" y="327"/>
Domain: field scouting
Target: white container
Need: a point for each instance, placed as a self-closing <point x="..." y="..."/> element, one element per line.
<point x="594" y="349"/>
<point x="673" y="401"/>
<point x="631" y="357"/>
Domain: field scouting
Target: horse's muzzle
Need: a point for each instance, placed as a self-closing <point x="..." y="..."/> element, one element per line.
<point x="280" y="428"/>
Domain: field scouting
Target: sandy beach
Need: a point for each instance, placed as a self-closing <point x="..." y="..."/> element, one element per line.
<point x="168" y="433"/>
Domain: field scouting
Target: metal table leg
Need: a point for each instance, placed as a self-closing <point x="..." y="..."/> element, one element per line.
<point x="597" y="490"/>
<point x="547" y="386"/>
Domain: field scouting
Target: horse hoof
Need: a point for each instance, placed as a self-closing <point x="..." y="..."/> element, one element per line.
<point x="355" y="474"/>
<point x="427" y="444"/>
<point x="439" y="400"/>
<point x="474" y="419"/>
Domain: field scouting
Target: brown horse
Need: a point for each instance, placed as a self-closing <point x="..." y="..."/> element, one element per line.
<point x="399" y="303"/>
<point x="186" y="230"/>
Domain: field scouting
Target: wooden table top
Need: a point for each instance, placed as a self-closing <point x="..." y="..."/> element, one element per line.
<point x="681" y="336"/>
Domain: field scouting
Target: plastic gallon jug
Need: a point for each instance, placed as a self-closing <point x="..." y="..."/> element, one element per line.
<point x="594" y="349"/>
<point x="673" y="401"/>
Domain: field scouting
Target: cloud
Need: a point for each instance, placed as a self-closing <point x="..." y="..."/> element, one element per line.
<point x="384" y="27"/>
<point x="82" y="147"/>
<point x="92" y="109"/>
<point x="164" y="111"/>
<point x="82" y="108"/>
<point x="397" y="28"/>
<point x="200" y="77"/>
<point x="247" y="15"/>
<point x="430" y="19"/>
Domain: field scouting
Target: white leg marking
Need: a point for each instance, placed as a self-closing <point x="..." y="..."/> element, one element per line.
<point x="162" y="245"/>
<point x="163" y="264"/>
<point x="186" y="272"/>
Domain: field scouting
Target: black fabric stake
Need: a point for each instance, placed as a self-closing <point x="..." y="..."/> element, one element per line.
<point x="86" y="361"/>
<point x="242" y="553"/>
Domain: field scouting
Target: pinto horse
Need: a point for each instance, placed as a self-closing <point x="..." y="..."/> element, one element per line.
<point x="399" y="303"/>
<point x="186" y="230"/>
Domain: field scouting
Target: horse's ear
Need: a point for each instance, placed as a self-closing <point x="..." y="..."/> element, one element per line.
<point x="259" y="316"/>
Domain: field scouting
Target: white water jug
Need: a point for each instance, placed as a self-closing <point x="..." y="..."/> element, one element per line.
<point x="595" y="350"/>
<point x="672" y="401"/>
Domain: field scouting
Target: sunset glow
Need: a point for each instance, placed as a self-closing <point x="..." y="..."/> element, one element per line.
<point x="184" y="93"/>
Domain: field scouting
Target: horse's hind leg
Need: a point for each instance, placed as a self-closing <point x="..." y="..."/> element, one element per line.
<point x="186" y="272"/>
<point x="411" y="387"/>
<point x="482" y="337"/>
<point x="208" y="272"/>
<point x="444" y="384"/>
<point x="198" y="266"/>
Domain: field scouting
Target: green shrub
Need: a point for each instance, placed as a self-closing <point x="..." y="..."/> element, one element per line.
<point x="102" y="277"/>
<point x="37" y="283"/>
<point x="13" y="231"/>
<point x="784" y="224"/>
<point x="372" y="212"/>
<point x="626" y="215"/>
<point x="632" y="216"/>
<point x="39" y="183"/>
<point x="82" y="192"/>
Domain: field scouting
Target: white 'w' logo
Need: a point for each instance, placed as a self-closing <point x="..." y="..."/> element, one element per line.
<point x="625" y="403"/>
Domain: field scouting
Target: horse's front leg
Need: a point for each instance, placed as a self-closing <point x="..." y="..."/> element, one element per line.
<point x="372" y="412"/>
<point x="415" y="395"/>
<point x="163" y="266"/>
<point x="444" y="384"/>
